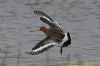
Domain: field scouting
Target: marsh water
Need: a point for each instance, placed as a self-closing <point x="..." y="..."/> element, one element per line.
<point x="79" y="17"/>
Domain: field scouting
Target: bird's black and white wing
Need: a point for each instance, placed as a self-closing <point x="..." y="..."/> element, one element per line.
<point x="42" y="46"/>
<point x="46" y="19"/>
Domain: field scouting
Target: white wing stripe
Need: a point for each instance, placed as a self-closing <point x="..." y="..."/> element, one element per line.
<point x="36" y="50"/>
<point x="47" y="18"/>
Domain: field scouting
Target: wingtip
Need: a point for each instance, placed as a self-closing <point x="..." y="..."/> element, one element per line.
<point x="41" y="13"/>
<point x="35" y="11"/>
<point x="30" y="52"/>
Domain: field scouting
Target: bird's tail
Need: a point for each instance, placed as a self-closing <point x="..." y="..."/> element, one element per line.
<point x="61" y="50"/>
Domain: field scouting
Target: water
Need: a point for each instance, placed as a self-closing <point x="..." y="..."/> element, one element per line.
<point x="79" y="17"/>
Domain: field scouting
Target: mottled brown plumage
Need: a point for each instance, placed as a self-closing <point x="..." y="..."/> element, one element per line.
<point x="54" y="33"/>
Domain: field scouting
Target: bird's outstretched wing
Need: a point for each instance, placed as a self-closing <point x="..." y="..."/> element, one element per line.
<point x="40" y="13"/>
<point x="46" y="19"/>
<point x="42" y="46"/>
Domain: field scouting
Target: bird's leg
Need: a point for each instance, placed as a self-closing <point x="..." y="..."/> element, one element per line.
<point x="61" y="50"/>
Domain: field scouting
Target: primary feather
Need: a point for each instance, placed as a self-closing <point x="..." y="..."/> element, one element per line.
<point x="46" y="19"/>
<point x="42" y="46"/>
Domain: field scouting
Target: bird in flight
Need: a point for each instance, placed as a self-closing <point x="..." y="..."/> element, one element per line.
<point x="54" y="35"/>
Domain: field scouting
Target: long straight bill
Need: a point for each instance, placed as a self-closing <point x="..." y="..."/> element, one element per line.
<point x="35" y="30"/>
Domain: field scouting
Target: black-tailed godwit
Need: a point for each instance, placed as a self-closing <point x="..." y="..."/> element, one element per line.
<point x="55" y="35"/>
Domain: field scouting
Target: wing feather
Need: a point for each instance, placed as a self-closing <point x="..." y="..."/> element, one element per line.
<point x="42" y="46"/>
<point x="46" y="19"/>
<point x="40" y="13"/>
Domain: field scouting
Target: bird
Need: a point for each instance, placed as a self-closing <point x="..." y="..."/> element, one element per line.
<point x="55" y="35"/>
